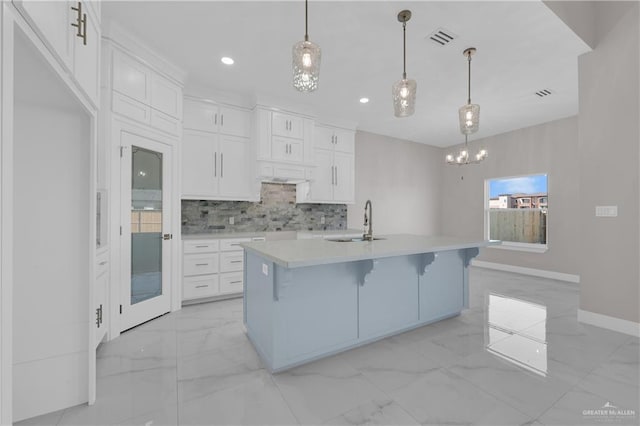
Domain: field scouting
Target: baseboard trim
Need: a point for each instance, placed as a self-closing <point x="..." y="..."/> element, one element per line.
<point x="611" y="323"/>
<point x="561" y="276"/>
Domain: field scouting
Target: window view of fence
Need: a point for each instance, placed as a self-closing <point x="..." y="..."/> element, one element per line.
<point x="518" y="209"/>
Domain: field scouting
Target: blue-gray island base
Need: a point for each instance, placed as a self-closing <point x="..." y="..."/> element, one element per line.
<point x="307" y="299"/>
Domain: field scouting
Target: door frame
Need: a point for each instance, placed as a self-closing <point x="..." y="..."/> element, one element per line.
<point x="115" y="126"/>
<point x="130" y="320"/>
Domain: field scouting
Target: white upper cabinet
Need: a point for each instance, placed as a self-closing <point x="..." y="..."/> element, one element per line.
<point x="210" y="117"/>
<point x="216" y="152"/>
<point x="334" y="172"/>
<point x="142" y="94"/>
<point x="166" y="96"/>
<point x="334" y="138"/>
<point x="131" y="78"/>
<point x="86" y="58"/>
<point x="287" y="125"/>
<point x="71" y="31"/>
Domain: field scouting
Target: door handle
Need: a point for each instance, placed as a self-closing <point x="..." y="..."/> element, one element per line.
<point x="167" y="237"/>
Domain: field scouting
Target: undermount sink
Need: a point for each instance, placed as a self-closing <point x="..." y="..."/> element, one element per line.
<point x="351" y="240"/>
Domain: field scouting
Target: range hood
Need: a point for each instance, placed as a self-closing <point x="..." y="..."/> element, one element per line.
<point x="275" y="172"/>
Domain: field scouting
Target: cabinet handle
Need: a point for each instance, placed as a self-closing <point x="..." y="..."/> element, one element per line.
<point x="222" y="164"/>
<point x="336" y="142"/>
<point x="336" y="172"/>
<point x="235" y="282"/>
<point x="215" y="119"/>
<point x="215" y="164"/>
<point x="202" y="264"/>
<point x="202" y="286"/>
<point x="236" y="261"/>
<point x="81" y="23"/>
<point x="202" y="246"/>
<point x="222" y="119"/>
<point x="104" y="262"/>
<point x="332" y="175"/>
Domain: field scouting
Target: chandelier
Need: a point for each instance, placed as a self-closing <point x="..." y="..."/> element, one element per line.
<point x="404" y="90"/>
<point x="306" y="61"/>
<point x="463" y="157"/>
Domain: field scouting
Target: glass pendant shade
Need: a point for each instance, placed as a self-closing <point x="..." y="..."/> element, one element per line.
<point x="404" y="97"/>
<point x="306" y="66"/>
<point x="469" y="116"/>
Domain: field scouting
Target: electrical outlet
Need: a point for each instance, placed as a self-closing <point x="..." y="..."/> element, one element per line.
<point x="606" y="211"/>
<point x="265" y="269"/>
<point x="322" y="221"/>
<point x="232" y="220"/>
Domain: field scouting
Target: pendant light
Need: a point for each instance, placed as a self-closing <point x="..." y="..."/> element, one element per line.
<point x="463" y="157"/>
<point x="404" y="90"/>
<point x="306" y="61"/>
<point x="469" y="114"/>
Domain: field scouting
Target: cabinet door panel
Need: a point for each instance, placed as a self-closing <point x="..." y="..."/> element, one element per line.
<point x="52" y="19"/>
<point x="131" y="78"/>
<point x="235" y="122"/>
<point x="296" y="150"/>
<point x="197" y="287"/>
<point x="200" y="168"/>
<point x="234" y="167"/>
<point x="166" y="96"/>
<point x="343" y="190"/>
<point x="322" y="186"/>
<point x="323" y="137"/>
<point x="324" y="302"/>
<point x="86" y="60"/>
<point x="200" y="116"/>
<point x="388" y="300"/>
<point x="344" y="141"/>
<point x="279" y="149"/>
<point x="442" y="286"/>
<point x="287" y="125"/>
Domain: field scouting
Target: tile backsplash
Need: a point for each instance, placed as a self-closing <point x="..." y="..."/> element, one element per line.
<point x="276" y="211"/>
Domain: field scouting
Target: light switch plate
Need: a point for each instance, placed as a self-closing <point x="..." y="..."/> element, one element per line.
<point x="322" y="220"/>
<point x="232" y="220"/>
<point x="265" y="269"/>
<point x="606" y="211"/>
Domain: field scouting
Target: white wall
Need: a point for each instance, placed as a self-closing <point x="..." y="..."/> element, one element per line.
<point x="608" y="151"/>
<point x="546" y="148"/>
<point x="403" y="181"/>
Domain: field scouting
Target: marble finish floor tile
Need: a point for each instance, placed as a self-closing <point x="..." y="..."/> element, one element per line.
<point x="196" y="366"/>
<point x="444" y="398"/>
<point x="385" y="412"/>
<point x="324" y="389"/>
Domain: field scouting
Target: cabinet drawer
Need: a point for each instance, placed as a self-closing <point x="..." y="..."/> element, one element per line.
<point x="130" y="108"/>
<point x="233" y="244"/>
<point x="197" y="287"/>
<point x="165" y="122"/>
<point x="231" y="261"/>
<point x="231" y="283"/>
<point x="202" y="246"/>
<point x="200" y="264"/>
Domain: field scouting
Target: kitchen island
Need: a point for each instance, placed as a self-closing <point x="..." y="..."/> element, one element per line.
<point x="307" y="299"/>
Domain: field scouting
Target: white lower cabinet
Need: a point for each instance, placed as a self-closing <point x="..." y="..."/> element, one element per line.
<point x="212" y="268"/>
<point x="100" y="297"/>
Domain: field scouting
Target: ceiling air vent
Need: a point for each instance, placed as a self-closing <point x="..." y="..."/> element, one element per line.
<point x="442" y="36"/>
<point x="544" y="92"/>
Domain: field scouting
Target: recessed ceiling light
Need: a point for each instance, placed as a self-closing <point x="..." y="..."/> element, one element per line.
<point x="364" y="100"/>
<point x="227" y="60"/>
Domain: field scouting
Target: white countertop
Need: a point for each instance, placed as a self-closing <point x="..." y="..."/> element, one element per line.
<point x="310" y="252"/>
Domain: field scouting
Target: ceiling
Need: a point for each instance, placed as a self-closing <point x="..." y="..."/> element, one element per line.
<point x="523" y="47"/>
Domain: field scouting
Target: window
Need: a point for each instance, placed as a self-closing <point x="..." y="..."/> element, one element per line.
<point x="516" y="212"/>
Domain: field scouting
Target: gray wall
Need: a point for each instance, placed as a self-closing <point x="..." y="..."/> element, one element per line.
<point x="608" y="169"/>
<point x="403" y="181"/>
<point x="276" y="211"/>
<point x="546" y="148"/>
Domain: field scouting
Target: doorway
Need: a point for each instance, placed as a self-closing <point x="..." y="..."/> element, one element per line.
<point x="146" y="220"/>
